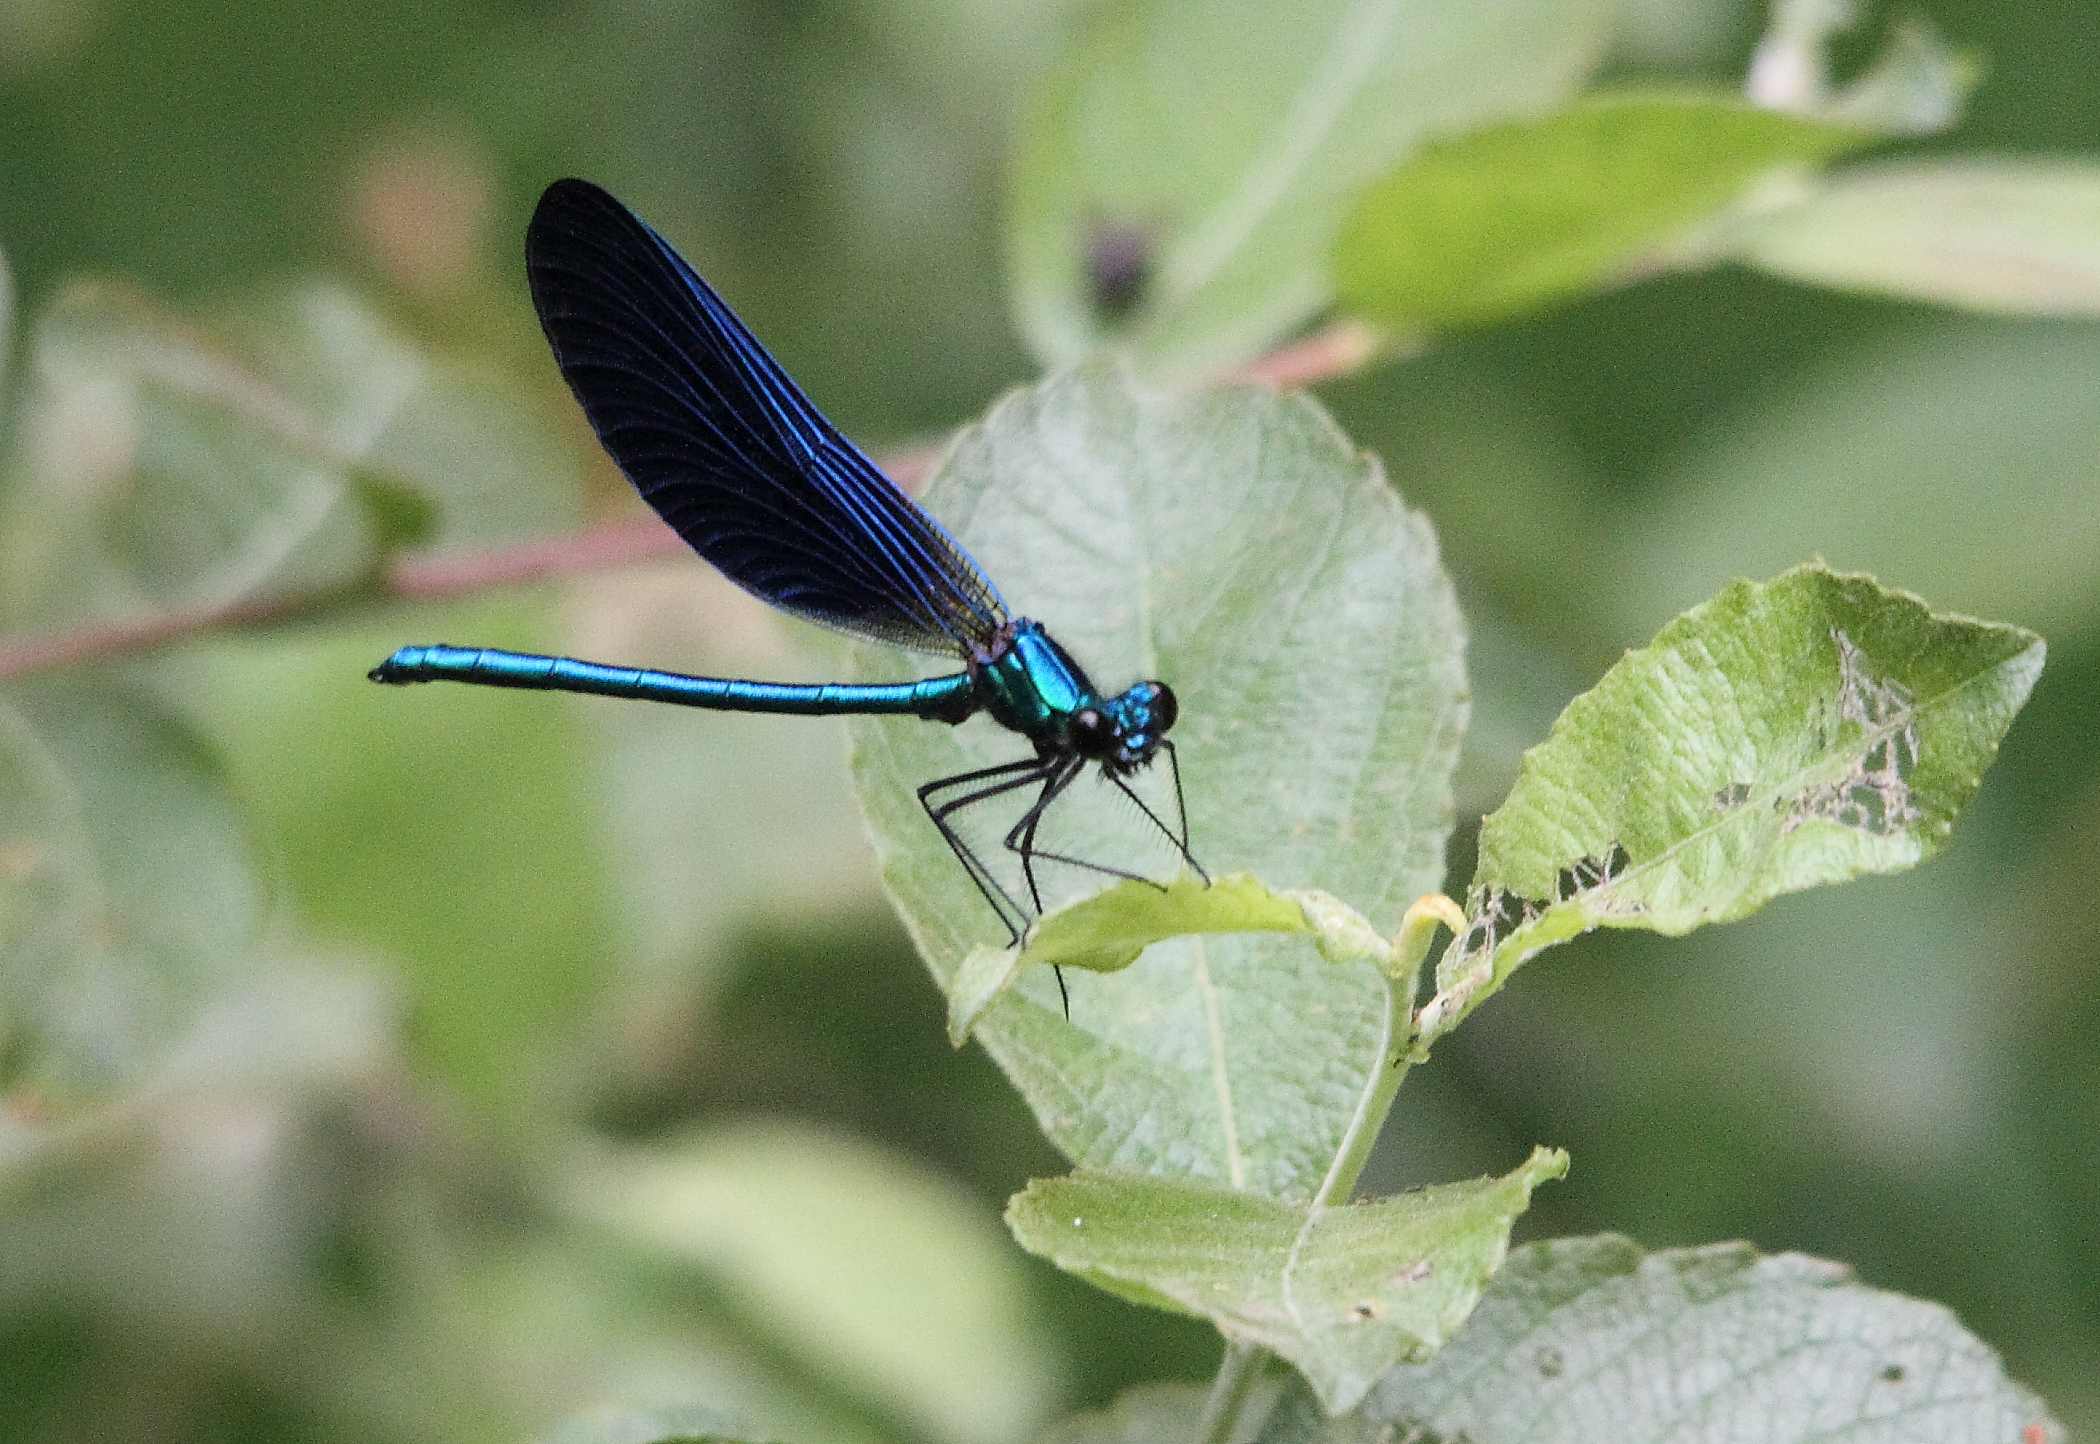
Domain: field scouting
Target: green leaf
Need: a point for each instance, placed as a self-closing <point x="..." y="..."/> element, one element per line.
<point x="1108" y="931"/>
<point x="2018" y="237"/>
<point x="933" y="1326"/>
<point x="1197" y="159"/>
<point x="1235" y="544"/>
<point x="127" y="901"/>
<point x="676" y="793"/>
<point x="161" y="467"/>
<point x="1778" y="737"/>
<point x="1515" y="217"/>
<point x="1588" y="1339"/>
<point x="165" y="465"/>
<point x="1343" y="1293"/>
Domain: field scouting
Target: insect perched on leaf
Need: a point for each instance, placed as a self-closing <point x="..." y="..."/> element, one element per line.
<point x="737" y="460"/>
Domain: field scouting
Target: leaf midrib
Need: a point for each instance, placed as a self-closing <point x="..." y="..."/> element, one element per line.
<point x="1867" y="741"/>
<point x="1331" y="85"/>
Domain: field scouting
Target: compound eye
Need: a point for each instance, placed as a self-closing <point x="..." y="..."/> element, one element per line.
<point x="1164" y="707"/>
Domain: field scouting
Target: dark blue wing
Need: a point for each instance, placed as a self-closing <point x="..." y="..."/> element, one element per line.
<point x="727" y="448"/>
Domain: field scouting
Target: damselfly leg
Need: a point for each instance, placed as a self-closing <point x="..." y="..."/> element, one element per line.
<point x="1053" y="776"/>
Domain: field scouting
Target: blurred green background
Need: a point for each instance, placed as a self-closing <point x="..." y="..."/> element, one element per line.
<point x="481" y="946"/>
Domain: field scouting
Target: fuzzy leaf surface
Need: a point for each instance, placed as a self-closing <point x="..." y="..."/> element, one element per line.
<point x="1593" y="1338"/>
<point x="1343" y="1293"/>
<point x="1234" y="544"/>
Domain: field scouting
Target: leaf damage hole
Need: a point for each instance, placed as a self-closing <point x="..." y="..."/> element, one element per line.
<point x="1893" y="1374"/>
<point x="1363" y="1312"/>
<point x="1550" y="1364"/>
<point x="1734" y="795"/>
<point x="1414" y="1273"/>
<point x="1493" y="913"/>
<point x="1873" y="796"/>
<point x="1590" y="873"/>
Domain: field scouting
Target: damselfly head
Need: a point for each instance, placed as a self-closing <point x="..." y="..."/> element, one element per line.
<point x="1122" y="732"/>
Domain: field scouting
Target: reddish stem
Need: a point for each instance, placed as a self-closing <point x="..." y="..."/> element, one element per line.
<point x="1335" y="351"/>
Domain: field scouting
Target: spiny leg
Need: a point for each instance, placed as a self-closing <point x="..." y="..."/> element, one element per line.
<point x="1020" y="839"/>
<point x="1180" y="841"/>
<point x="1181" y="806"/>
<point x="1054" y="776"/>
<point x="1010" y="775"/>
<point x="1105" y="869"/>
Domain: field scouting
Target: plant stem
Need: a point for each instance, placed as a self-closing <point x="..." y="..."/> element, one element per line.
<point x="1230" y="1391"/>
<point x="1337" y="350"/>
<point x="1377" y="1099"/>
<point x="1398" y="1047"/>
<point x="1341" y="349"/>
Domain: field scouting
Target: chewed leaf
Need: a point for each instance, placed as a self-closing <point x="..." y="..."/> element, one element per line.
<point x="1343" y="1293"/>
<point x="1778" y="737"/>
<point x="1106" y="932"/>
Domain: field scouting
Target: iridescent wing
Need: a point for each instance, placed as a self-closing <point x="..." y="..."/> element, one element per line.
<point x="726" y="447"/>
